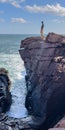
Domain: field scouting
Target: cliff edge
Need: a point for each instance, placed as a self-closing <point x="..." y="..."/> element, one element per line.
<point x="44" y="60"/>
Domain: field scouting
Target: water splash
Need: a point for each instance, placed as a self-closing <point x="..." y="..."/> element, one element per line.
<point x="15" y="66"/>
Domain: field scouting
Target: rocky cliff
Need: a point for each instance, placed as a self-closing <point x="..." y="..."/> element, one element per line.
<point x="5" y="94"/>
<point x="44" y="60"/>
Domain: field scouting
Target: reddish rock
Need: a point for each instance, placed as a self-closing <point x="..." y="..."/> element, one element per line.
<point x="57" y="129"/>
<point x="53" y="38"/>
<point x="44" y="61"/>
<point x="60" y="124"/>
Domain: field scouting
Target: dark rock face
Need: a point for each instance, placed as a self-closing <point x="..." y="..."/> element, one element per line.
<point x="5" y="95"/>
<point x="44" y="61"/>
<point x="10" y="123"/>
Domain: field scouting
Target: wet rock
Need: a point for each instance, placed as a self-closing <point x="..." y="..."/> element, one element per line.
<point x="3" y="116"/>
<point x="45" y="78"/>
<point x="11" y="123"/>
<point x="4" y="127"/>
<point x="5" y="95"/>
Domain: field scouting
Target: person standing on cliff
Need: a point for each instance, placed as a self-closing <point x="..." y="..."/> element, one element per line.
<point x="42" y="29"/>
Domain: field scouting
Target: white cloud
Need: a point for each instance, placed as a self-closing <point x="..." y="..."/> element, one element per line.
<point x="18" y="20"/>
<point x="59" y="21"/>
<point x="1" y="12"/>
<point x="21" y="0"/>
<point x="2" y="20"/>
<point x="15" y="3"/>
<point x="3" y="1"/>
<point x="54" y="9"/>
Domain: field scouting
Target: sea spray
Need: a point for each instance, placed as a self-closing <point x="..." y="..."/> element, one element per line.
<point x="11" y="60"/>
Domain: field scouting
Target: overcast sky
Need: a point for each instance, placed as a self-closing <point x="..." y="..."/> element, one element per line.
<point x="25" y="16"/>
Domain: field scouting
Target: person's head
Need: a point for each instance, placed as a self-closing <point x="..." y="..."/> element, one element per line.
<point x="42" y="22"/>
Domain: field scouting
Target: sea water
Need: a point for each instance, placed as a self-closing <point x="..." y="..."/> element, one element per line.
<point x="11" y="60"/>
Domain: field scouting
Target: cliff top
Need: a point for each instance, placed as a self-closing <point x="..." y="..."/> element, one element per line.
<point x="55" y="38"/>
<point x="50" y="38"/>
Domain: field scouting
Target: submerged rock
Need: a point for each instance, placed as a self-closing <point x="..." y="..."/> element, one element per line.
<point x="5" y="95"/>
<point x="44" y="60"/>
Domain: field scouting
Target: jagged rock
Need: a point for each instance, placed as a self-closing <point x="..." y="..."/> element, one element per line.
<point x="4" y="127"/>
<point x="61" y="123"/>
<point x="3" y="116"/>
<point x="11" y="123"/>
<point x="5" y="95"/>
<point x="53" y="38"/>
<point x="45" y="79"/>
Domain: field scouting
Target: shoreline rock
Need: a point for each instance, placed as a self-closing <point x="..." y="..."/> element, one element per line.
<point x="5" y="94"/>
<point x="44" y="61"/>
<point x="10" y="123"/>
<point x="45" y="81"/>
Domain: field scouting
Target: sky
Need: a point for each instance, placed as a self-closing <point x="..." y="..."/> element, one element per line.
<point x="25" y="16"/>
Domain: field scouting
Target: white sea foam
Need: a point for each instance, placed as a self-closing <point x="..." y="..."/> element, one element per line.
<point x="15" y="66"/>
<point x="11" y="60"/>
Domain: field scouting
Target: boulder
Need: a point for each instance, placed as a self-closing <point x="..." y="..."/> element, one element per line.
<point x="44" y="61"/>
<point x="53" y="38"/>
<point x="5" y="95"/>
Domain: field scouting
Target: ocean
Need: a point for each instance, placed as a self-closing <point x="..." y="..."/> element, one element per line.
<point x="11" y="60"/>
